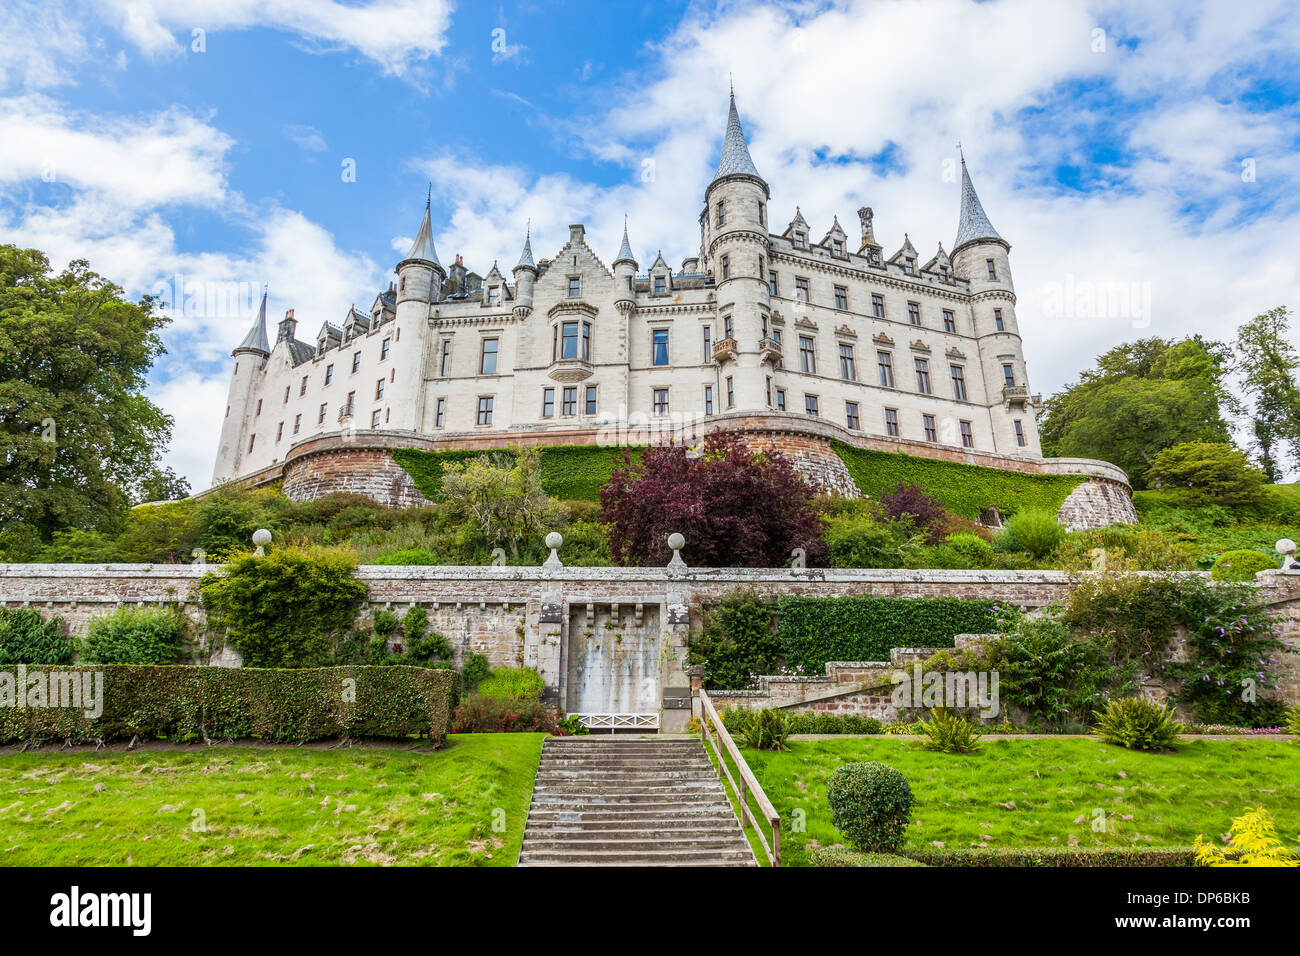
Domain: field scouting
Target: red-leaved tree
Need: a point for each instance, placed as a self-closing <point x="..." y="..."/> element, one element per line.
<point x="736" y="507"/>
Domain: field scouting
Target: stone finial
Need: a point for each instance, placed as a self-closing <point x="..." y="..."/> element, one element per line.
<point x="261" y="538"/>
<point x="1286" y="548"/>
<point x="676" y="541"/>
<point x="553" y="541"/>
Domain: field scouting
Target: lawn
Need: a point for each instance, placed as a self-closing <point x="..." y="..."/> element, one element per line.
<point x="1045" y="792"/>
<point x="461" y="806"/>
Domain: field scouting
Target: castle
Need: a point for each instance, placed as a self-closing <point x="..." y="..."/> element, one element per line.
<point x="790" y="339"/>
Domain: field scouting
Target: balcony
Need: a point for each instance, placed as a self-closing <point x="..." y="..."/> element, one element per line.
<point x="570" y="370"/>
<point x="769" y="350"/>
<point x="725" y="350"/>
<point x="1013" y="395"/>
<point x="345" y="412"/>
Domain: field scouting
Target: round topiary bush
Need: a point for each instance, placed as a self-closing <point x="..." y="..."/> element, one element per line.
<point x="871" y="805"/>
<point x="1241" y="565"/>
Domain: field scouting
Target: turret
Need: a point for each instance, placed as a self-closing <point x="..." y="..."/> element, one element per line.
<point x="525" y="273"/>
<point x="237" y="427"/>
<point x="420" y="275"/>
<point x="625" y="266"/>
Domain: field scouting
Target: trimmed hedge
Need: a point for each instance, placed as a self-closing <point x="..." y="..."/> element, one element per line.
<point x="816" y="630"/>
<point x="568" y="472"/>
<point x="964" y="489"/>
<point x="183" y="704"/>
<point x="1056" y="856"/>
<point x="844" y="856"/>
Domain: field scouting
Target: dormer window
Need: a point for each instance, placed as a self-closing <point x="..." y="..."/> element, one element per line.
<point x="909" y="266"/>
<point x="661" y="285"/>
<point x="575" y="286"/>
<point x="943" y="273"/>
<point x="494" y="295"/>
<point x="800" y="240"/>
<point x="837" y="248"/>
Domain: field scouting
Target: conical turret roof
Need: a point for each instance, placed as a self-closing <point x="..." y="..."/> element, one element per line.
<point x="256" y="340"/>
<point x="625" y="250"/>
<point x="526" y="257"/>
<point x="422" y="248"/>
<point x="736" y="160"/>
<point x="973" y="224"/>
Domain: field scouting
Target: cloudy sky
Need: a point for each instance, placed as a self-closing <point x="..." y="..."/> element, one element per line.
<point x="1142" y="159"/>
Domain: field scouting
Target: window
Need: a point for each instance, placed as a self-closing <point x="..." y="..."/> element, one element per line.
<point x="769" y="391"/>
<point x="877" y="305"/>
<point x="329" y="374"/>
<point x="997" y="320"/>
<point x="1020" y="434"/>
<point x="771" y="283"/>
<point x="227" y="411"/>
<point x="837" y="248"/>
<point x="484" y="410"/>
<point x="494" y="295"/>
<point x="586" y="341"/>
<point x="731" y="393"/>
<point x="708" y="343"/>
<point x="847" y="370"/>
<point x="958" y="382"/>
<point x="323" y="409"/>
<point x="302" y="388"/>
<point x="728" y="329"/>
<point x="297" y="423"/>
<point x="943" y="273"/>
<point x="488" y="359"/>
<point x="575" y="286"/>
<point x="279" y="431"/>
<point x="591" y="400"/>
<point x="286" y="394"/>
<point x="967" y="435"/>
<point x="379" y="389"/>
<point x="569" y="401"/>
<point x="931" y="433"/>
<point x="993" y="272"/>
<point x="780" y="399"/>
<point x="909" y="266"/>
<point x="891" y="422"/>
<point x="569" y="340"/>
<point x="885" y="363"/>
<point x="851" y="415"/>
<point x="374" y="418"/>
<point x="548" y="403"/>
<point x="708" y="399"/>
<point x="351" y="402"/>
<point x="661" y="284"/>
<point x="385" y="347"/>
<point x="810" y="405"/>
<point x="841" y="297"/>
<point x="444" y="364"/>
<point x="251" y="439"/>
<point x="807" y="356"/>
<point x="801" y="289"/>
<point x="776" y="336"/>
<point x="949" y="321"/>
<point x="440" y="416"/>
<point x="922" y="375"/>
<point x="659" y="347"/>
<point x="259" y="408"/>
<point x="1009" y="375"/>
<point x="914" y="313"/>
<point x="726" y="267"/>
<point x="661" y="401"/>
<point x="762" y="213"/>
<point x="799" y="240"/>
<point x="356" y="361"/>
<point x="722" y="212"/>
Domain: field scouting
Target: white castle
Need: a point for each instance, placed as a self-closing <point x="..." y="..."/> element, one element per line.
<point x="757" y="327"/>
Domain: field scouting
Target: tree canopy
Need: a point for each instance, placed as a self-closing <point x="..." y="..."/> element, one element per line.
<point x="1267" y="364"/>
<point x="79" y="440"/>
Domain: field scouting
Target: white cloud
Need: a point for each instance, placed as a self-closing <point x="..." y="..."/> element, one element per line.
<point x="307" y="137"/>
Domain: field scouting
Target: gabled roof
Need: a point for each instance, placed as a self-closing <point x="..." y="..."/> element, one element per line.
<point x="907" y="252"/>
<point x="735" y="160"/>
<point x="300" y="352"/>
<point x="940" y="259"/>
<point x="256" y="340"/>
<point x="973" y="225"/>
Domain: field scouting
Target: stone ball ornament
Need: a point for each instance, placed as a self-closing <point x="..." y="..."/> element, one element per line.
<point x="261" y="538"/>
<point x="554" y="540"/>
<point x="676" y="541"/>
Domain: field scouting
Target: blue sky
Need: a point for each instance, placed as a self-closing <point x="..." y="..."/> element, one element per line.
<point x="1143" y="162"/>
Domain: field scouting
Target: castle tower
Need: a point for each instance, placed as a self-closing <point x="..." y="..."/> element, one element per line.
<point x="737" y="251"/>
<point x="420" y="278"/>
<point x="250" y="357"/>
<point x="420" y="275"/>
<point x="525" y="273"/>
<point x="981" y="256"/>
<point x="625" y="266"/>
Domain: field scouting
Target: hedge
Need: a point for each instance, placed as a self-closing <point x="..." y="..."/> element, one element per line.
<point x="964" y="489"/>
<point x="568" y="472"/>
<point x="1055" y="856"/>
<point x="181" y="704"/>
<point x="846" y="856"/>
<point x="813" y="631"/>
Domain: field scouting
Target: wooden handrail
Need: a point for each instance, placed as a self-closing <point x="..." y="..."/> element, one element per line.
<point x="748" y="782"/>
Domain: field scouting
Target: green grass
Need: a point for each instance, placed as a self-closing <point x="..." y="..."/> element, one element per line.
<point x="273" y="806"/>
<point x="1040" y="793"/>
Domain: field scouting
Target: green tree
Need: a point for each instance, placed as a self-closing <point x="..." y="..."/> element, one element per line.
<point x="80" y="439"/>
<point x="1267" y="364"/>
<point x="1201" y="472"/>
<point x="501" y="495"/>
<point x="1142" y="397"/>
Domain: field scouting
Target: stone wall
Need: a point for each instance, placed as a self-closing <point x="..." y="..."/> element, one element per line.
<point x="361" y="471"/>
<point x="1097" y="503"/>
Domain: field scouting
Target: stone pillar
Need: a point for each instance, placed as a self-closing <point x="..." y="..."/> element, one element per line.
<point x="696" y="674"/>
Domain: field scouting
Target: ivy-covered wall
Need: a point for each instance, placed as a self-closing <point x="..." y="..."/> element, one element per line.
<point x="569" y="472"/>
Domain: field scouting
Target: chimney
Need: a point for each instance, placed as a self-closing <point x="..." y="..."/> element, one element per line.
<point x="576" y="232"/>
<point x="288" y="327"/>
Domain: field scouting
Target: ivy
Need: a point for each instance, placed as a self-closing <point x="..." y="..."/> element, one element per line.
<point x="568" y="472"/>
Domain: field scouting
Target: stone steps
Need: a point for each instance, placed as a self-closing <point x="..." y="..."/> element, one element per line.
<point x="620" y="802"/>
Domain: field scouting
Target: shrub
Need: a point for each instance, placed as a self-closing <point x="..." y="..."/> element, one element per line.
<point x="134" y="636"/>
<point x="1293" y="721"/>
<point x="843" y="856"/>
<point x="287" y="609"/>
<point x="860" y="541"/>
<point x="1034" y="531"/>
<point x="1207" y="472"/>
<point x="737" y="640"/>
<point x="488" y="715"/>
<point x="512" y="683"/>
<point x="474" y="671"/>
<point x="974" y="548"/>
<point x="78" y="546"/>
<point x="404" y="556"/>
<point x="909" y="502"/>
<point x="185" y="703"/>
<point x="1138" y="724"/>
<point x="736" y="507"/>
<point x="1254" y="843"/>
<point x="814" y="722"/>
<point x="949" y="733"/>
<point x="766" y="730"/>
<point x="871" y="805"/>
<point x="501" y="496"/>
<point x="1053" y="856"/>
<point x="28" y="638"/>
<point x="1241" y="565"/>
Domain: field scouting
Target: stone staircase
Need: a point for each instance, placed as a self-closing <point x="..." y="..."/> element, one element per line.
<point x="623" y="801"/>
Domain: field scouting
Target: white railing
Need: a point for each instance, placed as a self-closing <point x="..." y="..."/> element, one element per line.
<point x="619" y="721"/>
<point x="721" y="740"/>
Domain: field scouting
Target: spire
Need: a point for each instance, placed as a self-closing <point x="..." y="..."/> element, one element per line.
<point x="625" y="250"/>
<point x="423" y="248"/>
<point x="735" y="153"/>
<point x="256" y="340"/>
<point x="526" y="257"/>
<point x="973" y="225"/>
